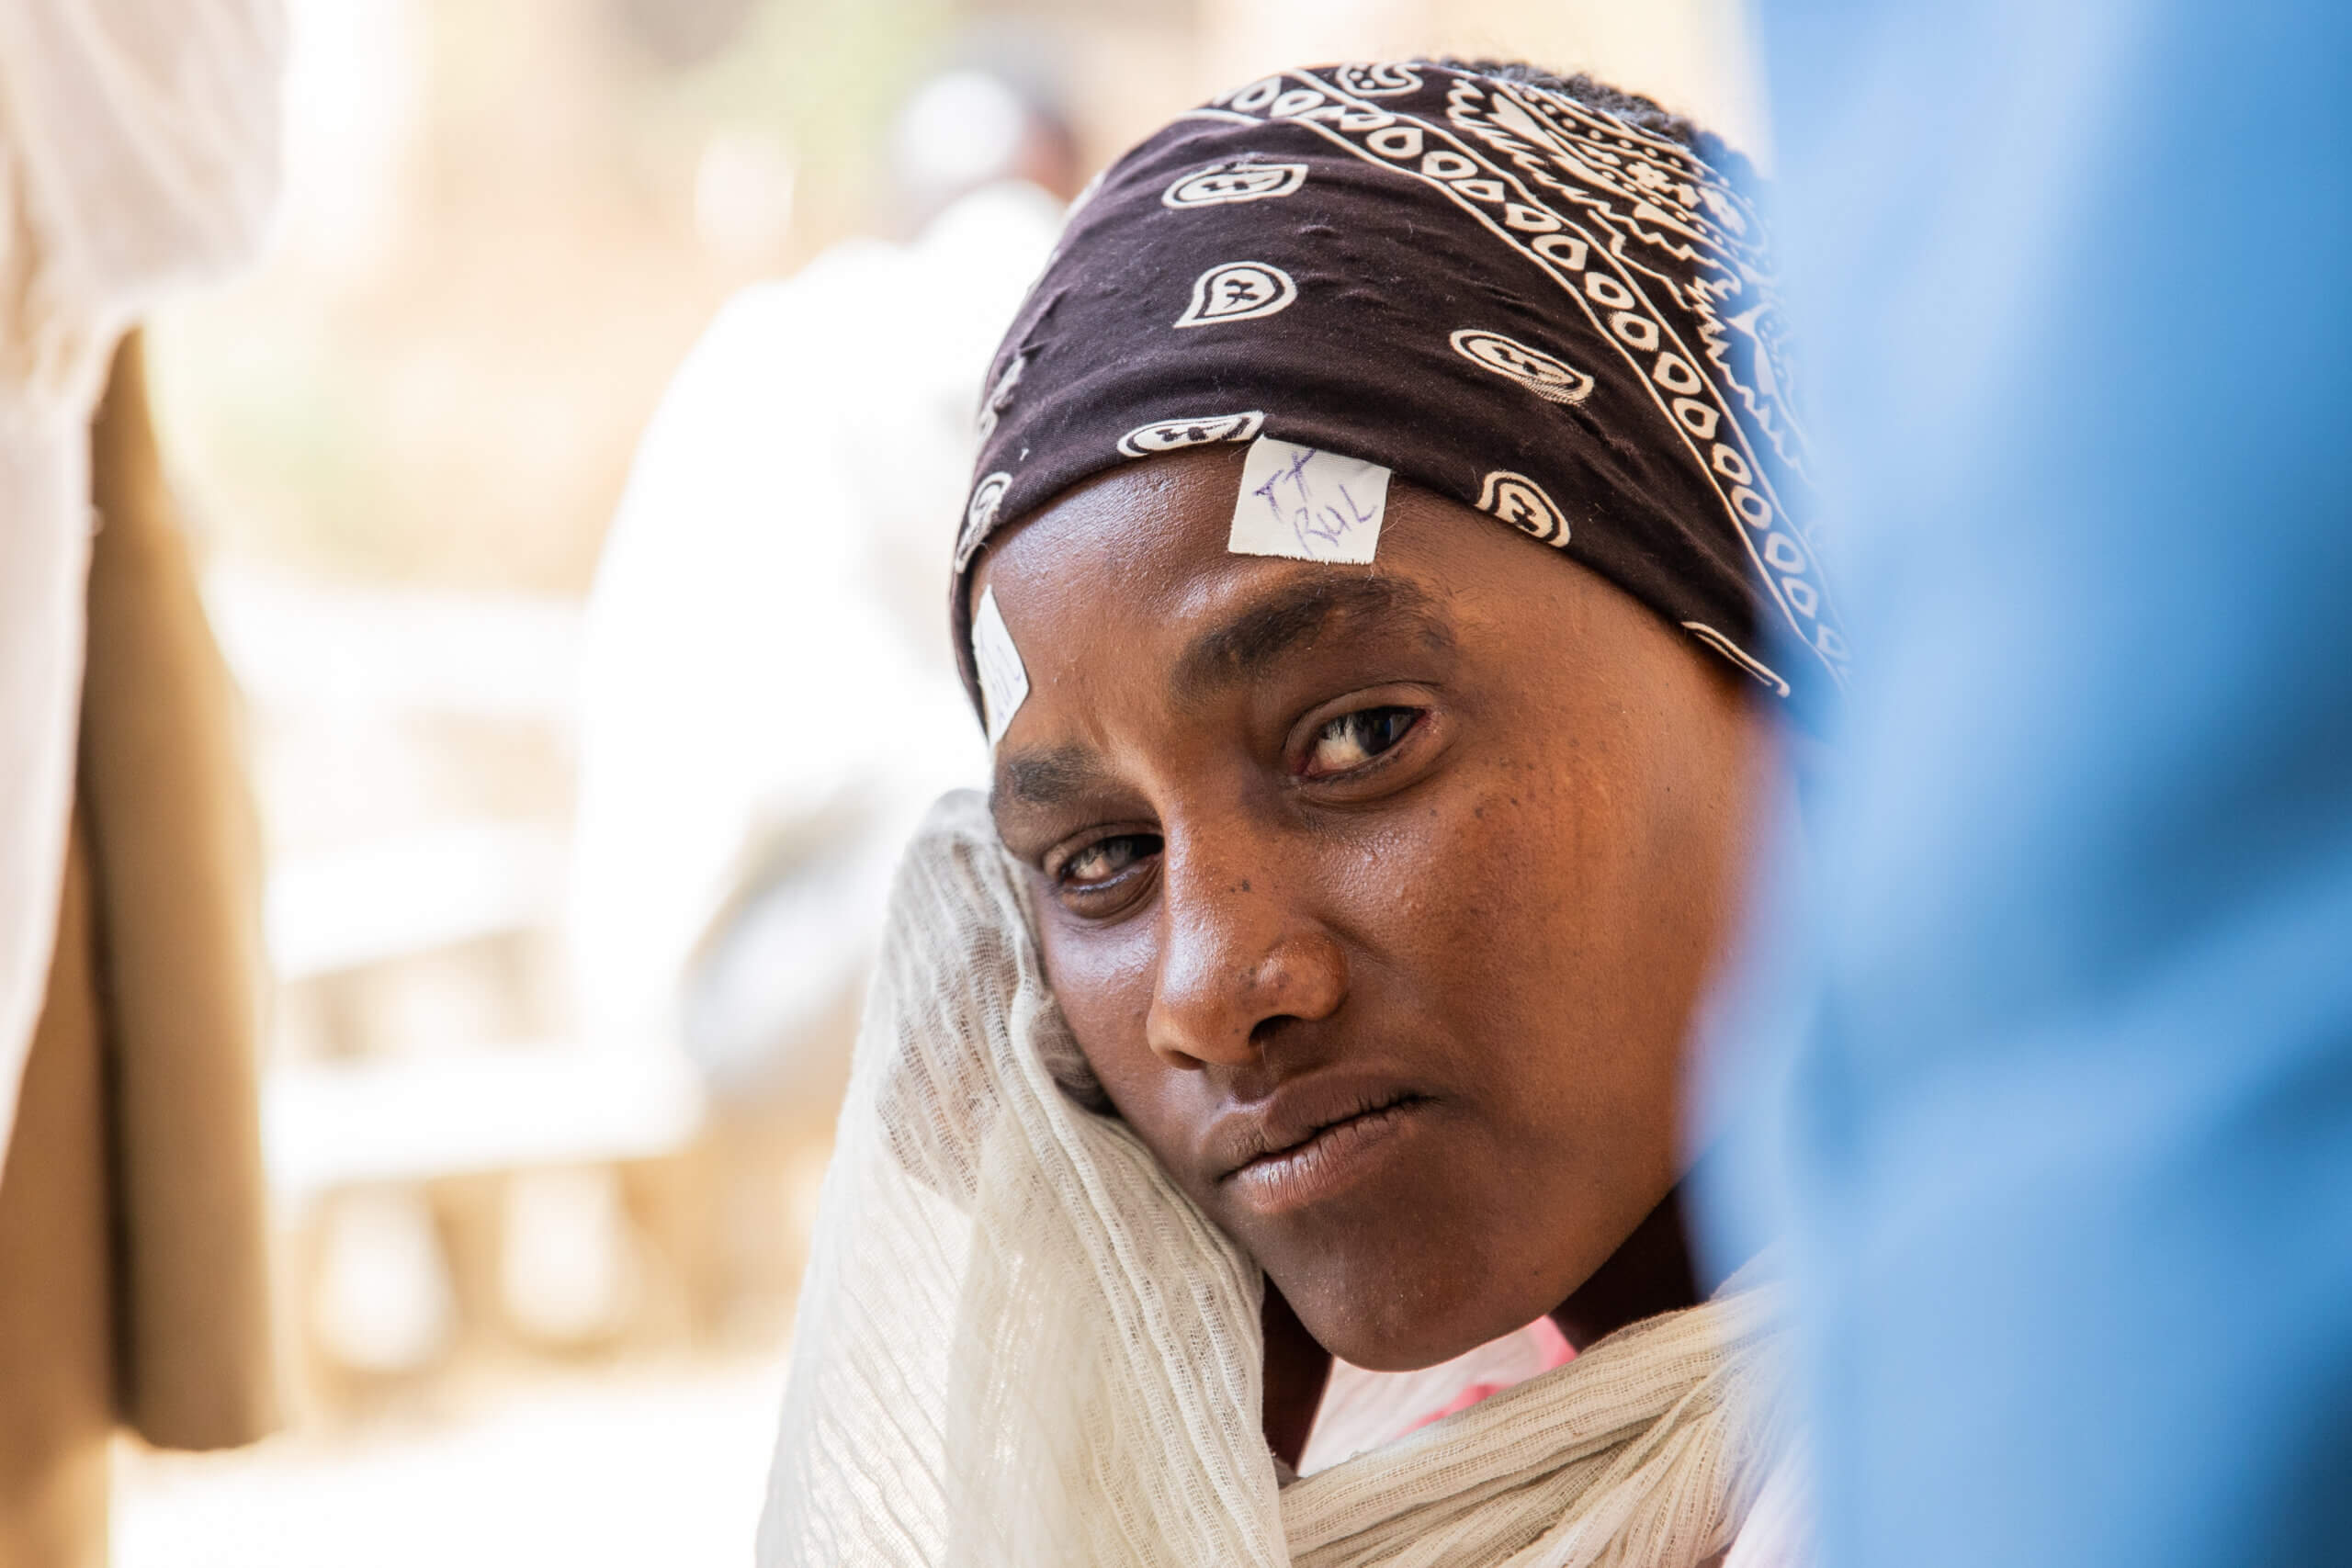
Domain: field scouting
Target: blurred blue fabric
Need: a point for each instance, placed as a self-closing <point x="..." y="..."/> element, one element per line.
<point x="2066" y="1136"/>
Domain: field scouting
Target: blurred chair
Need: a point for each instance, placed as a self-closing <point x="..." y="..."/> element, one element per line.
<point x="447" y="1164"/>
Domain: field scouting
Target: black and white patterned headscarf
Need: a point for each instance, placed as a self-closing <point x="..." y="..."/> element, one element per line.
<point x="1502" y="293"/>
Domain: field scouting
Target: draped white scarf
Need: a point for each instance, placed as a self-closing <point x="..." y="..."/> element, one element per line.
<point x="1019" y="1344"/>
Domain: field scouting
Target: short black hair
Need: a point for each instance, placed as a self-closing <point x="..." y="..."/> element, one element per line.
<point x="1641" y="112"/>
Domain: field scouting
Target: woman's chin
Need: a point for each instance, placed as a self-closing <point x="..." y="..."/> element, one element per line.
<point x="1405" y="1323"/>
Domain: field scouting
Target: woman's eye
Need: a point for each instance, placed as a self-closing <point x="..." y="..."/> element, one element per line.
<point x="1355" y="738"/>
<point x="1106" y="858"/>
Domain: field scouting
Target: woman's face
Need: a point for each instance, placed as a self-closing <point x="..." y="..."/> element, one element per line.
<point x="1380" y="898"/>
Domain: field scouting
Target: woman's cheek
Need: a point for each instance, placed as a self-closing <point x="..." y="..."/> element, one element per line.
<point x="1487" y="832"/>
<point x="1102" y="979"/>
<point x="1491" y="888"/>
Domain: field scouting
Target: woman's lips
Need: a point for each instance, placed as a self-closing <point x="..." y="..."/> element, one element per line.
<point x="1330" y="1158"/>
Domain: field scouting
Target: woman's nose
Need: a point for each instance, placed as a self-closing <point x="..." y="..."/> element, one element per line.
<point x="1236" y="953"/>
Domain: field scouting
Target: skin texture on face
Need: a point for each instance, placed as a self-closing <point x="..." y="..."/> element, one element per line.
<point x="1379" y="897"/>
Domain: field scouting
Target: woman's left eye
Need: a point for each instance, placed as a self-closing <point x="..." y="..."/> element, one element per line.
<point x="1355" y="738"/>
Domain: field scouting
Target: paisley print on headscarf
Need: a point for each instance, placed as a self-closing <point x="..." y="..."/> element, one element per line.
<point x="1500" y="292"/>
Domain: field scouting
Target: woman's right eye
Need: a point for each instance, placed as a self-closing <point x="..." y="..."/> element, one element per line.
<point x="1104" y="860"/>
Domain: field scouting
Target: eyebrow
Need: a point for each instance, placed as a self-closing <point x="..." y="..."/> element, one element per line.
<point x="1295" y="617"/>
<point x="1244" y="649"/>
<point x="1052" y="777"/>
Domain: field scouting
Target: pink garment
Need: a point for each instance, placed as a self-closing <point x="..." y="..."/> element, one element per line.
<point x="1365" y="1410"/>
<point x="1551" y="1348"/>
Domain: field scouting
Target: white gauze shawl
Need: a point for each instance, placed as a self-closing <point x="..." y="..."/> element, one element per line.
<point x="1020" y="1344"/>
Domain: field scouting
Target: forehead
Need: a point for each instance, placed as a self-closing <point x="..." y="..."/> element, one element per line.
<point x="1142" y="549"/>
<point x="1133" y="620"/>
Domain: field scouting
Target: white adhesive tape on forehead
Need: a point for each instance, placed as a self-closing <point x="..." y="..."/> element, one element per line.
<point x="1004" y="680"/>
<point x="1308" y="504"/>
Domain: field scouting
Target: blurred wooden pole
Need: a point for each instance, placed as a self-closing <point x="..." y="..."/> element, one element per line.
<point x="56" y="1318"/>
<point x="175" y="871"/>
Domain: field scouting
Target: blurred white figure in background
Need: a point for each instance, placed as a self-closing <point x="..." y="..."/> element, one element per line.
<point x="770" y="701"/>
<point x="139" y="153"/>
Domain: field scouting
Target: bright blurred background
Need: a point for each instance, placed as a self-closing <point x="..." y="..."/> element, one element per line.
<point x="565" y="981"/>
